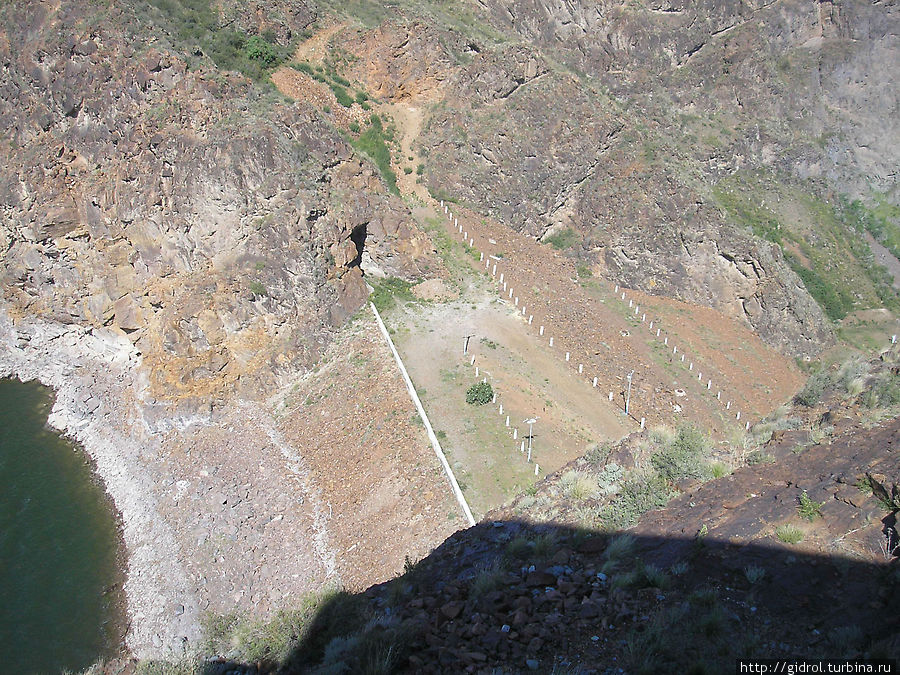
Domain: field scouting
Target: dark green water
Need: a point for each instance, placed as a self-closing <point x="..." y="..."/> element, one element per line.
<point x="60" y="596"/>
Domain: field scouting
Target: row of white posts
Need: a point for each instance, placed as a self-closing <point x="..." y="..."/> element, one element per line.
<point x="631" y="304"/>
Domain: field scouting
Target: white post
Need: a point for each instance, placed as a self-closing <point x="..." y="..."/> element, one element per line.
<point x="567" y="356"/>
<point x="471" y="241"/>
<point x="476" y="371"/>
<point x="595" y="381"/>
<point x="515" y="434"/>
<point x="630" y="304"/>
<point x="442" y="203"/>
<point x="642" y="423"/>
<point x="738" y="415"/>
<point x="501" y="278"/>
<point x="516" y="301"/>
<point x="530" y="318"/>
<point x="610" y="396"/>
<point x="473" y="360"/>
<point x="510" y="292"/>
<point x="494" y="399"/>
<point x="501" y="408"/>
<point x="494" y="271"/>
<point x="617" y="288"/>
<point x="893" y="339"/>
<point x="651" y="325"/>
<point x="445" y="208"/>
<point x="699" y="376"/>
<point x="657" y="332"/>
<point x="728" y="405"/>
<point x="718" y="395"/>
<point x="747" y="426"/>
<point x="507" y="420"/>
<point x="643" y="318"/>
<point x="537" y="467"/>
<point x="580" y="369"/>
<point x="682" y="357"/>
<point x="675" y="349"/>
<point x="465" y="235"/>
<point x="481" y="259"/>
<point x="623" y="296"/>
<point x="523" y="446"/>
<point x="541" y="331"/>
<point x="504" y="285"/>
<point x="523" y="310"/>
<point x="551" y="342"/>
<point x="666" y="340"/>
<point x="691" y="367"/>
<point x="709" y="384"/>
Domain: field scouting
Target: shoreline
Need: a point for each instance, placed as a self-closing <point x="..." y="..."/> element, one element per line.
<point x="86" y="373"/>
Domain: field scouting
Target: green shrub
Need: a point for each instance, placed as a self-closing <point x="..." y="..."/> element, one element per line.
<point x="260" y="49"/>
<point x="480" y="393"/>
<point x="813" y="389"/>
<point x="682" y="457"/>
<point x="420" y="169"/>
<point x="808" y="508"/>
<point x="407" y="170"/>
<point x="563" y="239"/>
<point x="341" y="95"/>
<point x="257" y="288"/>
<point x="884" y="391"/>
<point x="639" y="494"/>
<point x="372" y="142"/>
<point x="759" y="457"/>
<point x="789" y="534"/>
<point x="361" y="97"/>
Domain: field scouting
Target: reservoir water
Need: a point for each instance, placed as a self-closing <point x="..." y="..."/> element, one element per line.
<point x="60" y="580"/>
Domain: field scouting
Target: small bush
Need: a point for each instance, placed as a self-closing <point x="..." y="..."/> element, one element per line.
<point x="813" y="389"/>
<point x="639" y="494"/>
<point x="609" y="478"/>
<point x="354" y="127"/>
<point x="808" y="508"/>
<point x="563" y="239"/>
<point x="480" y="393"/>
<point x="341" y="95"/>
<point x="683" y="456"/>
<point x="361" y="97"/>
<point x="754" y="574"/>
<point x="884" y="391"/>
<point x="257" y="288"/>
<point x="576" y="485"/>
<point x="407" y="170"/>
<point x="420" y="169"/>
<point x="759" y="457"/>
<point x="789" y="534"/>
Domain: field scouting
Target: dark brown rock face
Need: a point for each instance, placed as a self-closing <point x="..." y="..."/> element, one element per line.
<point x="590" y="125"/>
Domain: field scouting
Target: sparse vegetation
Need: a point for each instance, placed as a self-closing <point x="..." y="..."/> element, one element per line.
<point x="577" y="485"/>
<point x="639" y="494"/>
<point x="813" y="389"/>
<point x="373" y="142"/>
<point x="386" y="292"/>
<point x="808" y="508"/>
<point x="682" y="456"/>
<point x="789" y="534"/>
<point x="193" y="23"/>
<point x="563" y="239"/>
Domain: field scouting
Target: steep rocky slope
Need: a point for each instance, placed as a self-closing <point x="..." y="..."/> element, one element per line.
<point x="219" y="227"/>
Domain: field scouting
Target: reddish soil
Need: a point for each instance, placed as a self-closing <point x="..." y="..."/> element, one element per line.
<point x="357" y="429"/>
<point x="590" y="321"/>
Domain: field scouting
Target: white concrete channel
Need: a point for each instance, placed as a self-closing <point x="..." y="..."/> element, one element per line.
<point x="431" y="436"/>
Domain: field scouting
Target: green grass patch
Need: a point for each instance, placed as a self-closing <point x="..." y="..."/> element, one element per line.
<point x="789" y="534"/>
<point x="192" y="23"/>
<point x="563" y="239"/>
<point x="388" y="291"/>
<point x="373" y="143"/>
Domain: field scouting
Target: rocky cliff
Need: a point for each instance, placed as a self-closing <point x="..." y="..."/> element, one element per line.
<point x="218" y="226"/>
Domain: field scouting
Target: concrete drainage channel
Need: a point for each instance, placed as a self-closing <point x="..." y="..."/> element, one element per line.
<point x="421" y="410"/>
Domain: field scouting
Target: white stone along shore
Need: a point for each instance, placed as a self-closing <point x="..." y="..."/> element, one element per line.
<point x="217" y="514"/>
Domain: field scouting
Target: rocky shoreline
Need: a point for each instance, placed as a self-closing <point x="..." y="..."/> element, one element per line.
<point x="93" y="376"/>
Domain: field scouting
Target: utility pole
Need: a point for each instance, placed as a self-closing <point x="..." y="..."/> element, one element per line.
<point x="628" y="395"/>
<point x="466" y="345"/>
<point x="530" y="422"/>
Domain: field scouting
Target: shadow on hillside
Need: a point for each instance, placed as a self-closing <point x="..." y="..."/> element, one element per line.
<point x="518" y="597"/>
